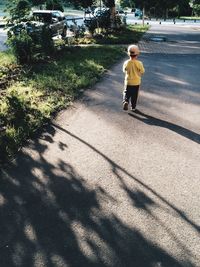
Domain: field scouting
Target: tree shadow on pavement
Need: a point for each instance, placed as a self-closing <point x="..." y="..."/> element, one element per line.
<point x="50" y="217"/>
<point x="117" y="168"/>
<point x="150" y="120"/>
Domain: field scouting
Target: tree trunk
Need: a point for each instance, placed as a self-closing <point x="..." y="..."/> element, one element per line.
<point x="111" y="5"/>
<point x="112" y="17"/>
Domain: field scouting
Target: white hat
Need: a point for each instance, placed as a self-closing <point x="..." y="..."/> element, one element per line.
<point x="133" y="50"/>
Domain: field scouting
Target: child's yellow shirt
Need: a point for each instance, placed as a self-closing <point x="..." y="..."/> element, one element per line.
<point x="133" y="69"/>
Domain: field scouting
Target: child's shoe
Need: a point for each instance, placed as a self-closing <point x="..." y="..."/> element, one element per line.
<point x="125" y="106"/>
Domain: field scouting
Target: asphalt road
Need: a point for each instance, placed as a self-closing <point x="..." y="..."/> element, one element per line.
<point x="3" y="38"/>
<point x="104" y="187"/>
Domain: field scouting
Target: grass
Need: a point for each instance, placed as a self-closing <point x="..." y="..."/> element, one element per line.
<point x="190" y="18"/>
<point x="7" y="58"/>
<point x="47" y="88"/>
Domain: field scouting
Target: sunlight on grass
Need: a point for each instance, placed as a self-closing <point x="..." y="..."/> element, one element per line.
<point x="47" y="88"/>
<point x="6" y="58"/>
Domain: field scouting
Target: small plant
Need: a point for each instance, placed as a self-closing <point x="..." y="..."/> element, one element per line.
<point x="91" y="25"/>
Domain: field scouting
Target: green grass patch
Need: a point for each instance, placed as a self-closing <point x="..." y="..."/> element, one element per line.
<point x="47" y="88"/>
<point x="190" y="18"/>
<point x="125" y="35"/>
<point x="7" y="58"/>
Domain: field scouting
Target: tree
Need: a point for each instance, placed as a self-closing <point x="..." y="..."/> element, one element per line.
<point x="111" y="5"/>
<point x="161" y="8"/>
<point x="37" y="2"/>
<point x="19" y="10"/>
<point x="54" y="5"/>
<point x="81" y="3"/>
<point x="127" y="3"/>
<point x="195" y="5"/>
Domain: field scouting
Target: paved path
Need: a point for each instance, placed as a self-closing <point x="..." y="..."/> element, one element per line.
<point x="103" y="187"/>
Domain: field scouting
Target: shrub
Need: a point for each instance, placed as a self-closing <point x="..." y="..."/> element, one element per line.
<point x="47" y="45"/>
<point x="26" y="44"/>
<point x="91" y="25"/>
<point x="22" y="46"/>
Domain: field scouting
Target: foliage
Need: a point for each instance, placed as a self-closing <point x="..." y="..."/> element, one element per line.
<point x="22" y="46"/>
<point x="109" y="3"/>
<point x="25" y="38"/>
<point x="81" y="3"/>
<point x="124" y="35"/>
<point x="45" y="41"/>
<point x="54" y="5"/>
<point x="161" y="8"/>
<point x="37" y="2"/>
<point x="18" y="10"/>
<point x="195" y="2"/>
<point x="127" y="3"/>
<point x="7" y="58"/>
<point x="91" y="25"/>
<point x="9" y="73"/>
<point x="189" y="18"/>
<point x="196" y="9"/>
<point x="26" y="45"/>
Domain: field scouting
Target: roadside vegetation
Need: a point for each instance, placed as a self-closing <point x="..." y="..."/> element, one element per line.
<point x="125" y="35"/>
<point x="190" y="18"/>
<point x="40" y="90"/>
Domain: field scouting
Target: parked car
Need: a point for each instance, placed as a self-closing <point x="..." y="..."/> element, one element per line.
<point x="54" y="20"/>
<point x="120" y="11"/>
<point x="98" y="12"/>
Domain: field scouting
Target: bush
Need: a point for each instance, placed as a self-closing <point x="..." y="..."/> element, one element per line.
<point x="27" y="46"/>
<point x="91" y="25"/>
<point x="22" y="46"/>
<point x="47" y="45"/>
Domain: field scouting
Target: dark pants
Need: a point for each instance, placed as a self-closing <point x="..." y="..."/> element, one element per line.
<point x="131" y="92"/>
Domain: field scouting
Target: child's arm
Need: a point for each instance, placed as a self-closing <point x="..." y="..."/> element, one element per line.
<point x="141" y="68"/>
<point x="124" y="67"/>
